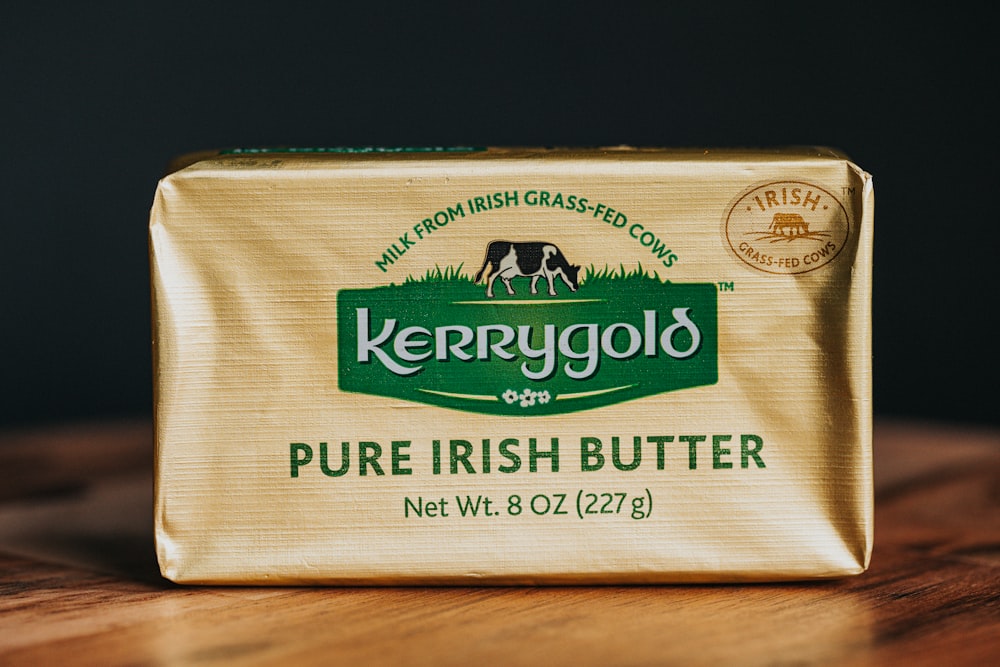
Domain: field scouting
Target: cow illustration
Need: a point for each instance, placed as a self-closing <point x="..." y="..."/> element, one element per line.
<point x="534" y="260"/>
<point x="789" y="224"/>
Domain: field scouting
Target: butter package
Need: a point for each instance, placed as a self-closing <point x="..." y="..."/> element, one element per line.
<point x="448" y="366"/>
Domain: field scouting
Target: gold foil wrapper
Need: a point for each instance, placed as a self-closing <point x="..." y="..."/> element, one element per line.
<point x="699" y="410"/>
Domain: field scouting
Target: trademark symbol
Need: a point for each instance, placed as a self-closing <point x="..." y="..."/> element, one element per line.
<point x="726" y="286"/>
<point x="848" y="192"/>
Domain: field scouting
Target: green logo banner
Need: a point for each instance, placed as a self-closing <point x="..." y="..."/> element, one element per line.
<point x="445" y="343"/>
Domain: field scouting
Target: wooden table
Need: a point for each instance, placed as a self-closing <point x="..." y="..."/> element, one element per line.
<point x="79" y="583"/>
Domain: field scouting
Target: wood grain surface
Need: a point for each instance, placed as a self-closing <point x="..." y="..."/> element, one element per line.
<point x="79" y="583"/>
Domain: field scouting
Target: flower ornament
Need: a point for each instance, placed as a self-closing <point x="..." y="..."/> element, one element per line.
<point x="526" y="398"/>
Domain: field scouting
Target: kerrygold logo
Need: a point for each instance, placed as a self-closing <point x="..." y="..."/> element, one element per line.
<point x="439" y="339"/>
<point x="581" y="346"/>
<point x="787" y="227"/>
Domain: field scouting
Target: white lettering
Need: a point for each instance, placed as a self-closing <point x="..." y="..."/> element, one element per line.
<point x="366" y="345"/>
<point x="634" y="341"/>
<point x="591" y="353"/>
<point x="683" y="322"/>
<point x="546" y="352"/>
<point x="456" y="349"/>
<point x="649" y="317"/>
<point x="484" y="346"/>
<point x="406" y="341"/>
<point x="416" y="344"/>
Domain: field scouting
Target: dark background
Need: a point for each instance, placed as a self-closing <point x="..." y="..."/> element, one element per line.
<point x="95" y="101"/>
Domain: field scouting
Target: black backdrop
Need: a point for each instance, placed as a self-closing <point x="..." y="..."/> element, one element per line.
<point x="95" y="101"/>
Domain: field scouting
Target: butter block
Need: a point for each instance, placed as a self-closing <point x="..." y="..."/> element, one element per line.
<point x="449" y="366"/>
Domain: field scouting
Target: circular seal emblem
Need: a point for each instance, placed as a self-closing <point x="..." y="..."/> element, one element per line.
<point x="787" y="227"/>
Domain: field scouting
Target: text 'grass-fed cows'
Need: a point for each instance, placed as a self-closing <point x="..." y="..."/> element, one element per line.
<point x="508" y="260"/>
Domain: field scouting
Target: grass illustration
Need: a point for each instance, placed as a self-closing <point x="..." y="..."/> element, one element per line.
<point x="616" y="275"/>
<point x="448" y="274"/>
<point x="453" y="283"/>
<point x="589" y="275"/>
<point x="772" y="237"/>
